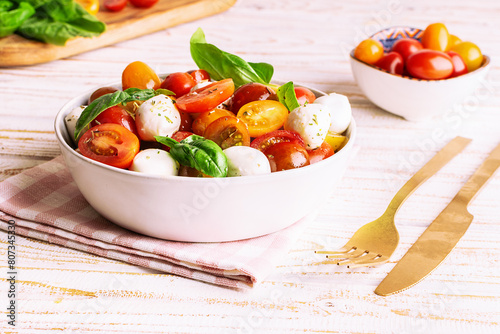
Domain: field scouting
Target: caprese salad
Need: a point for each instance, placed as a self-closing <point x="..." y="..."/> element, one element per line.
<point x="224" y="119"/>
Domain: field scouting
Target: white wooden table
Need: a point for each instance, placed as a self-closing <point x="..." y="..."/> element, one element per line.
<point x="65" y="290"/>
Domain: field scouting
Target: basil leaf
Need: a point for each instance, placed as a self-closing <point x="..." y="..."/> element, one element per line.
<point x="287" y="97"/>
<point x="222" y="65"/>
<point x="11" y="20"/>
<point x="199" y="153"/>
<point x="5" y="6"/>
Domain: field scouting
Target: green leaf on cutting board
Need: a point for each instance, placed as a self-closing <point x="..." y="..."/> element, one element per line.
<point x="12" y="19"/>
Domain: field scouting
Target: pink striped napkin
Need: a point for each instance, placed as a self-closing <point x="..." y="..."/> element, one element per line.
<point x="45" y="204"/>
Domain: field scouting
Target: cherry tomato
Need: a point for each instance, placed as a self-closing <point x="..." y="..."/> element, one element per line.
<point x="206" y="98"/>
<point x="286" y="155"/>
<point x="179" y="82"/>
<point x="117" y="115"/>
<point x="429" y="65"/>
<point x="453" y="40"/>
<point x="250" y="92"/>
<point x="139" y="75"/>
<point x="91" y="6"/>
<point x="143" y="3"/>
<point x="459" y="66"/>
<point x="110" y="144"/>
<point x="186" y="121"/>
<point x="320" y="153"/>
<point x="304" y="95"/>
<point x="392" y="63"/>
<point x="100" y="92"/>
<point x="470" y="53"/>
<point x="181" y="135"/>
<point x="263" y="116"/>
<point x="228" y="131"/>
<point x="190" y="172"/>
<point x="406" y="46"/>
<point x="369" y="51"/>
<point x="435" y="37"/>
<point x="279" y="136"/>
<point x="199" y="75"/>
<point x="201" y="122"/>
<point x="115" y="5"/>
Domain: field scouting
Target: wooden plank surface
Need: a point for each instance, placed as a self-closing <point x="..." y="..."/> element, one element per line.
<point x="129" y="23"/>
<point x="63" y="290"/>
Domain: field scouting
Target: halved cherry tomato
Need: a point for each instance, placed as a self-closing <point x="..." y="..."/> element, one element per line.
<point x="91" y="6"/>
<point x="199" y="75"/>
<point x="100" y="92"/>
<point x="470" y="53"/>
<point x="115" y="5"/>
<point x="179" y="82"/>
<point x="201" y="122"/>
<point x="206" y="98"/>
<point x="304" y="95"/>
<point x="186" y="121"/>
<point x="279" y="136"/>
<point x="110" y="144"/>
<point x="392" y="63"/>
<point x="286" y="155"/>
<point x="228" y="131"/>
<point x="320" y="153"/>
<point x="436" y="37"/>
<point x="263" y="116"/>
<point x="251" y="92"/>
<point x="369" y="51"/>
<point x="143" y="3"/>
<point x="139" y="75"/>
<point x="429" y="65"/>
<point x="459" y="66"/>
<point x="117" y="115"/>
<point x="406" y="46"/>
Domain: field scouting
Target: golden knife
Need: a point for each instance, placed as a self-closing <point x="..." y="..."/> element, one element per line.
<point x="441" y="236"/>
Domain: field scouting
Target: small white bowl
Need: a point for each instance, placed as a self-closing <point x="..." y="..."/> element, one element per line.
<point x="201" y="209"/>
<point x="413" y="99"/>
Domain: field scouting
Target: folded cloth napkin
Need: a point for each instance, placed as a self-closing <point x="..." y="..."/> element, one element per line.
<point x="44" y="203"/>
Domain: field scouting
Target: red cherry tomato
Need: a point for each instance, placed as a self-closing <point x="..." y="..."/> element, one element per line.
<point x="392" y="63"/>
<point x="429" y="65"/>
<point x="110" y="144"/>
<point x="286" y="155"/>
<point x="459" y="66"/>
<point x="199" y="75"/>
<point x="406" y="46"/>
<point x="100" y="92"/>
<point x="115" y="5"/>
<point x="181" y="135"/>
<point x="436" y="37"/>
<point x="117" y="115"/>
<point x="320" y="153"/>
<point x="228" y="131"/>
<point x="206" y="98"/>
<point x="186" y="121"/>
<point x="304" y="95"/>
<point x="251" y="92"/>
<point x="143" y="3"/>
<point x="180" y="83"/>
<point x="204" y="119"/>
<point x="279" y="136"/>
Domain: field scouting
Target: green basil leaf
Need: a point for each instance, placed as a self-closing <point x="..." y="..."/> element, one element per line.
<point x="164" y="92"/>
<point x="5" y="6"/>
<point x="222" y="65"/>
<point x="11" y="20"/>
<point x="199" y="153"/>
<point x="287" y="97"/>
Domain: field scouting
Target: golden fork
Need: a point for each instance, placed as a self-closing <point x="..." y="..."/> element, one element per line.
<point x="375" y="242"/>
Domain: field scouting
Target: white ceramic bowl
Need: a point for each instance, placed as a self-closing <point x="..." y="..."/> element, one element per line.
<point x="201" y="209"/>
<point x="413" y="99"/>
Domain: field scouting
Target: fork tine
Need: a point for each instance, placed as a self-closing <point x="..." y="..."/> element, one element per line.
<point x="341" y="250"/>
<point x="347" y="255"/>
<point x="365" y="261"/>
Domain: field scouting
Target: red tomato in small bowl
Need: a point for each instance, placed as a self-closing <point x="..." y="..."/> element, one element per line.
<point x="406" y="47"/>
<point x="391" y="62"/>
<point x="143" y="3"/>
<point x="459" y="65"/>
<point x="429" y="65"/>
<point x="115" y="5"/>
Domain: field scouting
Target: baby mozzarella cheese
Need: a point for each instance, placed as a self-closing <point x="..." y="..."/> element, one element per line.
<point x="71" y="119"/>
<point x="340" y="111"/>
<point x="155" y="162"/>
<point x="245" y="160"/>
<point x="157" y="116"/>
<point x="311" y="122"/>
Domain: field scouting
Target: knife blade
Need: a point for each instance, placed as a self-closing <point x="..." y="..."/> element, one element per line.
<point x="441" y="236"/>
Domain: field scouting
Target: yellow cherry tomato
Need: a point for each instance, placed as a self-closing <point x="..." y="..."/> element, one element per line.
<point x="263" y="116"/>
<point x="452" y="41"/>
<point x="369" y="51"/>
<point x="436" y="37"/>
<point x="335" y="140"/>
<point x="470" y="53"/>
<point x="140" y="75"/>
<point x="91" y="6"/>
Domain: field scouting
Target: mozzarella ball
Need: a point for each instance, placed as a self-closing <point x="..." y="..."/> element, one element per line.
<point x="154" y="161"/>
<point x="245" y="160"/>
<point x="311" y="122"/>
<point x="157" y="116"/>
<point x="71" y="120"/>
<point x="340" y="111"/>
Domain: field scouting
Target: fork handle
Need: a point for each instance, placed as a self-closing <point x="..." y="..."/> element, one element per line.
<point x="441" y="158"/>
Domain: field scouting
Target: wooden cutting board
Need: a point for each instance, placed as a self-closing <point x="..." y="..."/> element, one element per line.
<point x="126" y="24"/>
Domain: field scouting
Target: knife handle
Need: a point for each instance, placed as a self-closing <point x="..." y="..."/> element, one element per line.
<point x="444" y="156"/>
<point x="480" y="177"/>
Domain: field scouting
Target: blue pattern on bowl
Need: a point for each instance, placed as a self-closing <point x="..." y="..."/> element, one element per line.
<point x="390" y="35"/>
